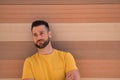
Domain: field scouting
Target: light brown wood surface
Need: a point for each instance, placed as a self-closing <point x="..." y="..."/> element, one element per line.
<point x="65" y="2"/>
<point x="60" y="13"/>
<point x="89" y="29"/>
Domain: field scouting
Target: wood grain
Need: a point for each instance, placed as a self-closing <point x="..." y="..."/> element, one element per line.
<point x="97" y="50"/>
<point x="60" y="13"/>
<point x="11" y="68"/>
<point x="99" y="68"/>
<point x="63" y="31"/>
<point x="88" y="68"/>
<point x="56" y="2"/>
<point x="89" y="29"/>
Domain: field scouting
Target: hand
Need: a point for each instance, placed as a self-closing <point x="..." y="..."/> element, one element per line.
<point x="69" y="77"/>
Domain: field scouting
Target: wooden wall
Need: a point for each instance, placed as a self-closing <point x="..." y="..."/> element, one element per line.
<point x="89" y="29"/>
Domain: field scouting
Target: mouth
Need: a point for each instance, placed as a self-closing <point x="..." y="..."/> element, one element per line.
<point x="40" y="42"/>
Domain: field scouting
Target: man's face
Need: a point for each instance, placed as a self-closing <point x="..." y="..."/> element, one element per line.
<point x="41" y="36"/>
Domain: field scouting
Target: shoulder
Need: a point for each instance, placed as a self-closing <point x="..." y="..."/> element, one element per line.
<point x="63" y="53"/>
<point x="32" y="57"/>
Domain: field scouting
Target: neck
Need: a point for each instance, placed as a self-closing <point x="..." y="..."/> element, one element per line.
<point x="47" y="50"/>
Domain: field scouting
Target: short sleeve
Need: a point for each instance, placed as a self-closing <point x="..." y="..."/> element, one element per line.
<point x="27" y="70"/>
<point x="70" y="63"/>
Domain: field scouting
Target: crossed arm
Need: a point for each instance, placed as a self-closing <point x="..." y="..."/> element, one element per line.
<point x="71" y="75"/>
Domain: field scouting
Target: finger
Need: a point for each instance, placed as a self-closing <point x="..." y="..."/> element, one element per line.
<point x="69" y="77"/>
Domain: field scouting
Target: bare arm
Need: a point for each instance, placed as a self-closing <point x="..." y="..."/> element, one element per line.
<point x="28" y="79"/>
<point x="73" y="75"/>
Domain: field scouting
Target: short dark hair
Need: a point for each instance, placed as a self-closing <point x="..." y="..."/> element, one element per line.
<point x="40" y="22"/>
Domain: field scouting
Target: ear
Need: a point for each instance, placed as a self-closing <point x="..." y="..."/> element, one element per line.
<point x="50" y="34"/>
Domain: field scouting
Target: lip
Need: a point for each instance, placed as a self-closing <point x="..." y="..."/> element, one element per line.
<point x="39" y="41"/>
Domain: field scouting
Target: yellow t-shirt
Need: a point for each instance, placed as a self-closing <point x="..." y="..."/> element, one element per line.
<point x="48" y="67"/>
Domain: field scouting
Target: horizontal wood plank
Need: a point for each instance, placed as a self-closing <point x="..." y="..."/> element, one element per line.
<point x="59" y="2"/>
<point x="16" y="50"/>
<point x="60" y="13"/>
<point x="63" y="31"/>
<point x="88" y="68"/>
<point x="98" y="50"/>
<point x="99" y="68"/>
<point x="11" y="68"/>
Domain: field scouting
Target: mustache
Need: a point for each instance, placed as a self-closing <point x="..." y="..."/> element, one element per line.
<point x="40" y="40"/>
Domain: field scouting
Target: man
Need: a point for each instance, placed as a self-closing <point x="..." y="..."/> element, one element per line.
<point x="48" y="63"/>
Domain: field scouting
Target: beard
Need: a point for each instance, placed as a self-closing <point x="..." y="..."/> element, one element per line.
<point x="42" y="45"/>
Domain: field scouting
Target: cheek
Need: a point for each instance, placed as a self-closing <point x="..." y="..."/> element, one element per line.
<point x="34" y="39"/>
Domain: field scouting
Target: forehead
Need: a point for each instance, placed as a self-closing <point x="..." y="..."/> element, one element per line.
<point x="39" y="28"/>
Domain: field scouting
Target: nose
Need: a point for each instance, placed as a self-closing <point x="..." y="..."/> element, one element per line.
<point x="39" y="37"/>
